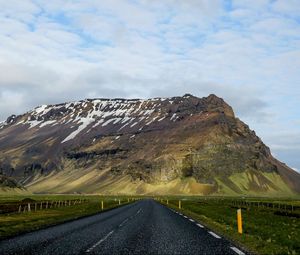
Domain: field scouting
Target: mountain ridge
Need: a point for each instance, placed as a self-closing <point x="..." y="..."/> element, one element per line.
<point x="185" y="145"/>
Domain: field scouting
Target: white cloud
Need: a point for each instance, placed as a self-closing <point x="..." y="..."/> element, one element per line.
<point x="54" y="51"/>
<point x="287" y="7"/>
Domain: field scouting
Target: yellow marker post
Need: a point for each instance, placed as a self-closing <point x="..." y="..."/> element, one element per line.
<point x="239" y="221"/>
<point x="179" y="204"/>
<point x="102" y="205"/>
<point x="167" y="201"/>
<point x="119" y="201"/>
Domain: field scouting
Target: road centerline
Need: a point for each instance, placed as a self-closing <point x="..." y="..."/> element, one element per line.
<point x="100" y="241"/>
<point x="123" y="222"/>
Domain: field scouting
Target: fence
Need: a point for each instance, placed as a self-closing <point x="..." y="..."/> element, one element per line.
<point x="22" y="207"/>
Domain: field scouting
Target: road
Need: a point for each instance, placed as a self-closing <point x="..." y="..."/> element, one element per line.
<point x="143" y="227"/>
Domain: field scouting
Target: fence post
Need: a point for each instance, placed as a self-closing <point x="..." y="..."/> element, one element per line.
<point x="35" y="207"/>
<point x="41" y="207"/>
<point x="29" y="209"/>
<point x="239" y="221"/>
<point x="20" y="208"/>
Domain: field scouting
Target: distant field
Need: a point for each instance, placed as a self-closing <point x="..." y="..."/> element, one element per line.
<point x="270" y="226"/>
<point x="64" y="208"/>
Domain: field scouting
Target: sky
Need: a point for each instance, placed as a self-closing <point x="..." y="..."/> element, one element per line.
<point x="245" y="51"/>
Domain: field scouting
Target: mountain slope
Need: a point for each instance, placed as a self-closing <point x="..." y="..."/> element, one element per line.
<point x="179" y="145"/>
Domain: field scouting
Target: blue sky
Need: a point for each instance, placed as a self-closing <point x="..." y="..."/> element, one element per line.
<point x="247" y="52"/>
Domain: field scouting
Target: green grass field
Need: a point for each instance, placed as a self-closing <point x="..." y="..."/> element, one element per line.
<point x="267" y="229"/>
<point x="15" y="223"/>
<point x="270" y="226"/>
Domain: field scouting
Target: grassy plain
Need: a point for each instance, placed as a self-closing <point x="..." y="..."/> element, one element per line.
<point x="15" y="223"/>
<point x="270" y="226"/>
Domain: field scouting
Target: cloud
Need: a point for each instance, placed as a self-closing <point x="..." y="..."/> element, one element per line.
<point x="244" y="51"/>
<point x="287" y="7"/>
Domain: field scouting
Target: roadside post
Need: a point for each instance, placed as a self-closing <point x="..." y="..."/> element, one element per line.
<point x="119" y="202"/>
<point x="179" y="204"/>
<point x="167" y="201"/>
<point x="239" y="221"/>
<point x="102" y="205"/>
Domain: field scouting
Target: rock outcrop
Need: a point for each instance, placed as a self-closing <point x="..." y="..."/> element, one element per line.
<point x="178" y="145"/>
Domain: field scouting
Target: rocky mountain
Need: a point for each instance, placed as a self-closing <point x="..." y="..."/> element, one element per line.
<point x="178" y="145"/>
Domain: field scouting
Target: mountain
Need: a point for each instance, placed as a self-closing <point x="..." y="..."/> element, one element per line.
<point x="178" y="145"/>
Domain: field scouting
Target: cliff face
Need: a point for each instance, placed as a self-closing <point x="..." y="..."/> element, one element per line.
<point x="179" y="145"/>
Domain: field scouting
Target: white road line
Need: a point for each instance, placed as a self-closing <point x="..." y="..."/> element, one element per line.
<point x="214" y="235"/>
<point x="123" y="222"/>
<point x="237" y="250"/>
<point x="191" y="220"/>
<point x="184" y="216"/>
<point x="100" y="241"/>
<point x="199" y="225"/>
<point x="139" y="211"/>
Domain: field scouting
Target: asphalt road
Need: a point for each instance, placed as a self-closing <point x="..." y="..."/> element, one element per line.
<point x="144" y="227"/>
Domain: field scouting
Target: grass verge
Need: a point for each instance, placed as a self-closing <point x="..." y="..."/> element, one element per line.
<point x="13" y="224"/>
<point x="264" y="230"/>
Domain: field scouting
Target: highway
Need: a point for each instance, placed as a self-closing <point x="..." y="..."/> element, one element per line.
<point x="143" y="227"/>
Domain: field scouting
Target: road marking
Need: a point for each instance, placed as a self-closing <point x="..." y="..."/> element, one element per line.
<point x="139" y="211"/>
<point x="199" y="225"/>
<point x="100" y="241"/>
<point x="214" y="235"/>
<point x="184" y="216"/>
<point x="191" y="220"/>
<point x="123" y="222"/>
<point x="237" y="250"/>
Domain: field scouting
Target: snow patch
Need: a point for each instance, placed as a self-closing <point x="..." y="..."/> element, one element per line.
<point x="49" y="122"/>
<point x="85" y="123"/>
<point x="34" y="123"/>
<point x="134" y="124"/>
<point x="40" y="109"/>
<point x="173" y="116"/>
<point x="107" y="122"/>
